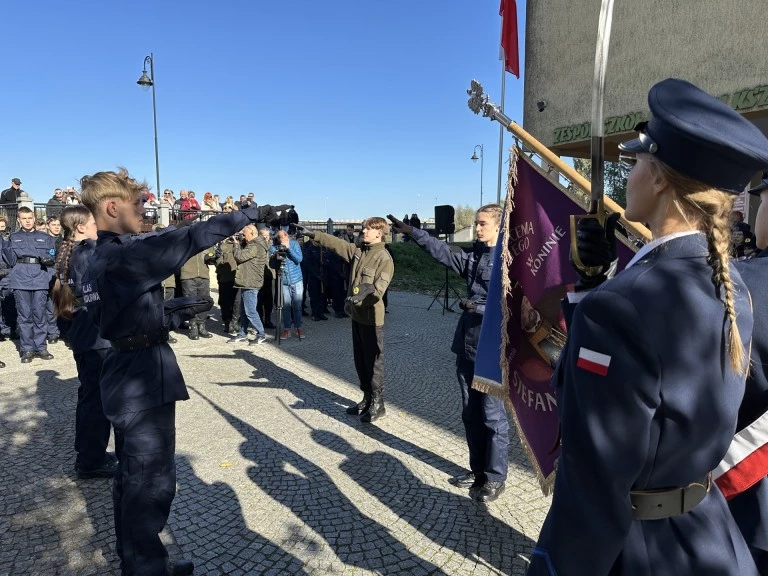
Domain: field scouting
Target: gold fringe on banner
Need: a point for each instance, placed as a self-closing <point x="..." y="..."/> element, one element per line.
<point x="501" y="389"/>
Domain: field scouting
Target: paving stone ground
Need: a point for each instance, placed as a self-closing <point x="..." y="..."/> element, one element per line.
<point x="273" y="476"/>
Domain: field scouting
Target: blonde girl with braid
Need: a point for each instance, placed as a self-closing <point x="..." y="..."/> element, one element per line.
<point x="92" y="428"/>
<point x="650" y="380"/>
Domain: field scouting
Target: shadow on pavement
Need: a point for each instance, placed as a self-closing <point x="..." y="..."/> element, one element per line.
<point x="212" y="530"/>
<point x="313" y="397"/>
<point x="447" y="519"/>
<point x="312" y="496"/>
<point x="43" y="528"/>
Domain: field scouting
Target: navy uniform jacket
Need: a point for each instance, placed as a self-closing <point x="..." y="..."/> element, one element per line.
<point x="30" y="245"/>
<point x="662" y="416"/>
<point x="474" y="265"/>
<point x="124" y="282"/>
<point x="750" y="509"/>
<point x="83" y="334"/>
<point x="5" y="268"/>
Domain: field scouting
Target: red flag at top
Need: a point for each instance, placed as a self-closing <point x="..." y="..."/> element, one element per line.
<point x="508" y="13"/>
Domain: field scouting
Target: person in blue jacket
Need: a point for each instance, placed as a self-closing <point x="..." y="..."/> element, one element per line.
<point x="653" y="371"/>
<point x="288" y="251"/>
<point x="88" y="348"/>
<point x="31" y="256"/>
<point x="484" y="416"/>
<point x="748" y="492"/>
<point x="140" y="380"/>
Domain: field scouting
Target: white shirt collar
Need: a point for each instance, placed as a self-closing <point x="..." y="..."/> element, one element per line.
<point x="656" y="243"/>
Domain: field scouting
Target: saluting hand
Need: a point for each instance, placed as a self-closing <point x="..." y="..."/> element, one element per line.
<point x="398" y="226"/>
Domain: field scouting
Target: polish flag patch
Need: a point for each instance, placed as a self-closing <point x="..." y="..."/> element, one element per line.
<point x="594" y="362"/>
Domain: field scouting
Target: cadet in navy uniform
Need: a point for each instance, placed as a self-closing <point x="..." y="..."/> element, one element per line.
<point x="141" y="381"/>
<point x="91" y="425"/>
<point x="651" y="377"/>
<point x="30" y="253"/>
<point x="484" y="416"/>
<point x="749" y="490"/>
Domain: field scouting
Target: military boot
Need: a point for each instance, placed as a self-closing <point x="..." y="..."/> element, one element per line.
<point x="360" y="407"/>
<point x="194" y="334"/>
<point x="203" y="331"/>
<point x="376" y="409"/>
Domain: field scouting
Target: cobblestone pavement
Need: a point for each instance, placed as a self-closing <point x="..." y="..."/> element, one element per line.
<point x="273" y="476"/>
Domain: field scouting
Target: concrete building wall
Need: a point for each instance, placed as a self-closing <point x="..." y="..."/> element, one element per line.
<point x="720" y="46"/>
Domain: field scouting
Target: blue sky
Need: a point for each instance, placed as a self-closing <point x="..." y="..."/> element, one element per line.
<point x="344" y="108"/>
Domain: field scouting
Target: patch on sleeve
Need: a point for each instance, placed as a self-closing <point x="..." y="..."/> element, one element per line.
<point x="592" y="361"/>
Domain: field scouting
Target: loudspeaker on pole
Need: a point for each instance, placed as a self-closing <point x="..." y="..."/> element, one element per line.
<point x="444" y="219"/>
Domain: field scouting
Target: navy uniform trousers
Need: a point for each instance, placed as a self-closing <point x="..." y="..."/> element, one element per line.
<point x="8" y="312"/>
<point x="51" y="326"/>
<point x="32" y="321"/>
<point x="486" y="427"/>
<point x="91" y="426"/>
<point x="144" y="487"/>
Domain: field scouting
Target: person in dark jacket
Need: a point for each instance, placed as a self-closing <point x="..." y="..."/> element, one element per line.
<point x="742" y="473"/>
<point x="251" y="255"/>
<point x="314" y="256"/>
<point x="91" y="425"/>
<point x="141" y="381"/>
<point x="652" y="375"/>
<point x="485" y="418"/>
<point x="31" y="255"/>
<point x="11" y="195"/>
<point x="226" y="266"/>
<point x="56" y="204"/>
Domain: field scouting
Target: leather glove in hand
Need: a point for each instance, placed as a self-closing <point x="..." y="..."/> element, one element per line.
<point x="596" y="246"/>
<point x="360" y="292"/>
<point x="47" y="261"/>
<point x="467" y="305"/>
<point x="306" y="231"/>
<point x="398" y="226"/>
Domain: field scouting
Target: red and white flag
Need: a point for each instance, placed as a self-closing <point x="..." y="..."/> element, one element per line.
<point x="746" y="462"/>
<point x="509" y="51"/>
<point x="592" y="361"/>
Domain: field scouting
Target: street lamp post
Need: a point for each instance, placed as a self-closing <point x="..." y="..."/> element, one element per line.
<point x="474" y="159"/>
<point x="147" y="82"/>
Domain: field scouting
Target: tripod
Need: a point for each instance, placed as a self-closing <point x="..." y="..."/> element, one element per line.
<point x="443" y="291"/>
<point x="279" y="300"/>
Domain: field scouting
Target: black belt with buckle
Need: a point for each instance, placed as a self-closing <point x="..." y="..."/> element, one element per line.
<point x="666" y="502"/>
<point x="28" y="260"/>
<point x="140" y="342"/>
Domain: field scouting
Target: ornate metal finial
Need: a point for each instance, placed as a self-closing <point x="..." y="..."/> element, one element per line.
<point x="479" y="102"/>
<point x="477" y="99"/>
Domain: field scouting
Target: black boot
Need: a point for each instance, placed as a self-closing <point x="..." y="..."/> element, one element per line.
<point x="27" y="357"/>
<point x="193" y="331"/>
<point x="203" y="331"/>
<point x="360" y="407"/>
<point x="376" y="409"/>
<point x="2" y="364"/>
<point x="180" y="567"/>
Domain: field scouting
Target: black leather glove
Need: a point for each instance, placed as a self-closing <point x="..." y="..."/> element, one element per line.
<point x="398" y="226"/>
<point x="177" y="310"/>
<point x="596" y="246"/>
<point x="467" y="305"/>
<point x="360" y="292"/>
<point x="47" y="261"/>
<point x="306" y="231"/>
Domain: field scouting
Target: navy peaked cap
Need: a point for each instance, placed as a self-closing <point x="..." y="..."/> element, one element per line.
<point x="700" y="137"/>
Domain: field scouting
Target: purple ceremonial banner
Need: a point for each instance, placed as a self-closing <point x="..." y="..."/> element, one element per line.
<point x="523" y="328"/>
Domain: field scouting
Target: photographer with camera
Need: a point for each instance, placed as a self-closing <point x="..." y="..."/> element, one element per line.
<point x="372" y="270"/>
<point x="251" y="256"/>
<point x="287" y="252"/>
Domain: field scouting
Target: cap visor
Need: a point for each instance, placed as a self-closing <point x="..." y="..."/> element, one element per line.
<point x="633" y="146"/>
